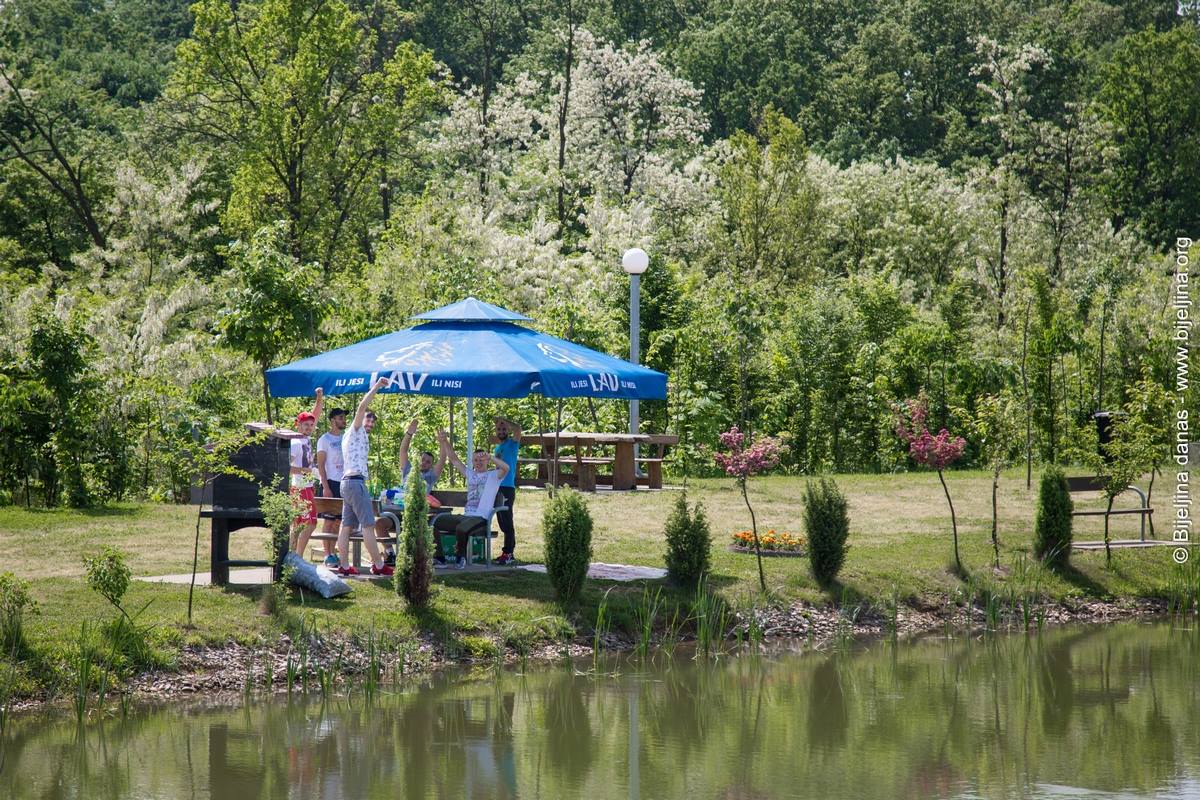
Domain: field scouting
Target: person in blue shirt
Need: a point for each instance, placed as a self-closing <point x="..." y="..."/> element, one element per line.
<point x="508" y="438"/>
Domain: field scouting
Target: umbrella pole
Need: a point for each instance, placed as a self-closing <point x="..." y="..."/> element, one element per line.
<point x="470" y="429"/>
<point x="557" y="428"/>
<point x="542" y="431"/>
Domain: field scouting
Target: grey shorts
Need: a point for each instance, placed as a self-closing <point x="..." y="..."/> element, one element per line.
<point x="356" y="504"/>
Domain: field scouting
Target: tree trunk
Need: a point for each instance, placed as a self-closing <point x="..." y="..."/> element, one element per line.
<point x="1100" y="375"/>
<point x="1028" y="408"/>
<point x="562" y="119"/>
<point x="1050" y="403"/>
<point x="267" y="397"/>
<point x="953" y="523"/>
<point x="1149" y="495"/>
<point x="1107" y="549"/>
<point x="1002" y="265"/>
<point x="995" y="516"/>
<point x="762" y="578"/>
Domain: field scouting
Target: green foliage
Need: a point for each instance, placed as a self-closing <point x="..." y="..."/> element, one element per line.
<point x="414" y="580"/>
<point x="278" y="510"/>
<point x="108" y="575"/>
<point x="15" y="603"/>
<point x="1052" y="525"/>
<point x="846" y="204"/>
<point x="689" y="543"/>
<point x="316" y="109"/>
<point x="1156" y="178"/>
<point x="275" y="307"/>
<point x="827" y="525"/>
<point x="567" y="531"/>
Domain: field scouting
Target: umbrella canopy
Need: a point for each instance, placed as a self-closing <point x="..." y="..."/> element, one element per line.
<point x="470" y="349"/>
<point x="472" y="310"/>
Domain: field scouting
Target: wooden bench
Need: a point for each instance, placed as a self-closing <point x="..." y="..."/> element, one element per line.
<point x="653" y="465"/>
<point x="1089" y="483"/>
<point x="333" y="505"/>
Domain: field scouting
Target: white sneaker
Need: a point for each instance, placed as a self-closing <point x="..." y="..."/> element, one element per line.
<point x="462" y="563"/>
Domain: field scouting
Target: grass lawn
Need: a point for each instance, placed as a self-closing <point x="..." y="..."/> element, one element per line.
<point x="900" y="546"/>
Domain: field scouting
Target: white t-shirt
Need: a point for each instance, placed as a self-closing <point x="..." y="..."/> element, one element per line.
<point x="354" y="451"/>
<point x="331" y="445"/>
<point x="482" y="487"/>
<point x="301" y="456"/>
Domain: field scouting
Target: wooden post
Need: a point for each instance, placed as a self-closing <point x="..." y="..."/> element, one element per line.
<point x="219" y="566"/>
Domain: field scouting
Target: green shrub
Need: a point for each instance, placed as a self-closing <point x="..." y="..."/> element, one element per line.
<point x="567" y="530"/>
<point x="415" y="579"/>
<point x="15" y="602"/>
<point x="1052" y="527"/>
<point x="827" y="524"/>
<point x="108" y="575"/>
<point x="278" y="510"/>
<point x="689" y="543"/>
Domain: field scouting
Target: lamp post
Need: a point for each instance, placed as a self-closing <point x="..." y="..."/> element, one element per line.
<point x="635" y="261"/>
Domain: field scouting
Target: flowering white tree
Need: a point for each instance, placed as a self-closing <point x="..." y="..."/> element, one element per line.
<point x="633" y="119"/>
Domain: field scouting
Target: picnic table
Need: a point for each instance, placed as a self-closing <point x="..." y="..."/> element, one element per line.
<point x="584" y="460"/>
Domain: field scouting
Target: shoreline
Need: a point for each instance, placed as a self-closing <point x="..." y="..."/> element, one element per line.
<point x="223" y="673"/>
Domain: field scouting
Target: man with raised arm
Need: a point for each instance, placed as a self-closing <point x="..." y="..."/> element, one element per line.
<point x="482" y="486"/>
<point x="356" y="500"/>
<point x="429" y="471"/>
<point x="301" y="464"/>
<point x="330" y="468"/>
<point x="508" y="444"/>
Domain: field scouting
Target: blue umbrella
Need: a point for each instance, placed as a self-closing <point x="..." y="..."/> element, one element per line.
<point x="470" y="349"/>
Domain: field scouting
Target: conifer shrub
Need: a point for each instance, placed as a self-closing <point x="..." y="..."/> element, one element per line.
<point x="567" y="530"/>
<point x="827" y="524"/>
<point x="415" y="578"/>
<point x="689" y="543"/>
<point x="1052" y="526"/>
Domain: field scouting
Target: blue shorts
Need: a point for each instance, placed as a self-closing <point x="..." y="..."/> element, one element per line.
<point x="356" y="504"/>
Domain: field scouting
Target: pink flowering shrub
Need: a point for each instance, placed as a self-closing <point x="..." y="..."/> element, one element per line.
<point x="935" y="451"/>
<point x="747" y="460"/>
<point x="745" y="457"/>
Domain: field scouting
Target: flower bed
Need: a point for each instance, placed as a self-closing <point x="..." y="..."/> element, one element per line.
<point x="773" y="543"/>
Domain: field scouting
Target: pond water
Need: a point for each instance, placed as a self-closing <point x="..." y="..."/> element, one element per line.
<point x="1073" y="712"/>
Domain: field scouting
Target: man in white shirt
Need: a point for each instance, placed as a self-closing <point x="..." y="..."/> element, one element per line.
<point x="482" y="486"/>
<point x="301" y="466"/>
<point x="356" y="501"/>
<point x="330" y="468"/>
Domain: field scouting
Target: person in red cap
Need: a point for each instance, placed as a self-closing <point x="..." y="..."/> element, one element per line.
<point x="302" y="468"/>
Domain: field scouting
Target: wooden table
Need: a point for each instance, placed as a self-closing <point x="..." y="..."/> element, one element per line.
<point x="624" y="464"/>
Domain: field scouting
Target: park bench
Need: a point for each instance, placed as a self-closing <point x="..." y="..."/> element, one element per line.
<point x="1090" y="483"/>
<point x="333" y="506"/>
<point x="653" y="464"/>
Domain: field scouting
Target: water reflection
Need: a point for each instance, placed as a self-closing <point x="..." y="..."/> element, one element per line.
<point x="1099" y="709"/>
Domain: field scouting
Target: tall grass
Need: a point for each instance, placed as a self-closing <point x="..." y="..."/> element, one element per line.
<point x="599" y="629"/>
<point x="646" y="614"/>
<point x="710" y="614"/>
<point x="1183" y="590"/>
<point x="85" y="663"/>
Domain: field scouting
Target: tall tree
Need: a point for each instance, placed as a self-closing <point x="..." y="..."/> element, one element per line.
<point x="273" y="307"/>
<point x="287" y="89"/>
<point x="1155" y="179"/>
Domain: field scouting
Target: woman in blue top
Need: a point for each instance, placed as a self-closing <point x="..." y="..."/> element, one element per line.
<point x="508" y="437"/>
